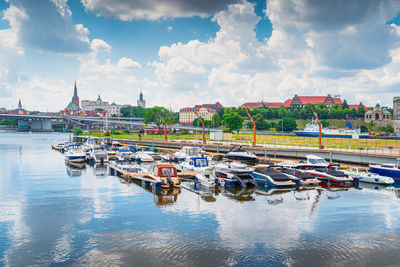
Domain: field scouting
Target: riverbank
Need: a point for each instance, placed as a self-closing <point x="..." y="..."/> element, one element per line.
<point x="293" y="141"/>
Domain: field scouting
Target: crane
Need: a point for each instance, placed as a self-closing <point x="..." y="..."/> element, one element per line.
<point x="320" y="129"/>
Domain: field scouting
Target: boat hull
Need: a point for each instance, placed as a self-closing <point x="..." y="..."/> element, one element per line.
<point x="75" y="159"/>
<point x="316" y="134"/>
<point x="389" y="172"/>
<point x="264" y="180"/>
<point x="242" y="159"/>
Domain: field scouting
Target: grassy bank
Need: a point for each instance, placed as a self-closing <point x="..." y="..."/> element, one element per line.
<point x="339" y="143"/>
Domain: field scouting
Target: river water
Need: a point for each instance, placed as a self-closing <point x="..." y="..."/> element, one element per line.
<point x="52" y="214"/>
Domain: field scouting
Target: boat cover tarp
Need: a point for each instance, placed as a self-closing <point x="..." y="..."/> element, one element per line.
<point x="297" y="173"/>
<point x="274" y="174"/>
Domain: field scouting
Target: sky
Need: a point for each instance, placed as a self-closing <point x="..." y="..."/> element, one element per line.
<point x="186" y="52"/>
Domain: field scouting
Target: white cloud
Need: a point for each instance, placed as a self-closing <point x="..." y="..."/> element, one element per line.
<point x="127" y="64"/>
<point x="314" y="48"/>
<point x="128" y="10"/>
<point x="98" y="45"/>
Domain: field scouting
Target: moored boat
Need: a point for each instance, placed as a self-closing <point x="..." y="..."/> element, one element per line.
<point x="331" y="176"/>
<point x="270" y="177"/>
<point x="240" y="154"/>
<point x="304" y="178"/>
<point x="389" y="170"/>
<point x="188" y="151"/>
<point x="368" y="177"/>
<point x="195" y="164"/>
<point x="234" y="177"/>
<point x="75" y="154"/>
<point x="98" y="156"/>
<point x="206" y="178"/>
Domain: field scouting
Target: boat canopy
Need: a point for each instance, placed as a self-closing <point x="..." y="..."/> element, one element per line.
<point x="199" y="161"/>
<point x="124" y="150"/>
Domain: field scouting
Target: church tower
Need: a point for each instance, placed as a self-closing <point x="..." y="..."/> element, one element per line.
<point x="19" y="105"/>
<point x="75" y="98"/>
<point x="141" y="102"/>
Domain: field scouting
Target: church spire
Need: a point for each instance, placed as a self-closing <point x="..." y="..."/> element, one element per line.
<point x="75" y="92"/>
<point x="19" y="104"/>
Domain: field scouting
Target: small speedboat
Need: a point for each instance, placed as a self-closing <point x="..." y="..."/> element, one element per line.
<point x="128" y="166"/>
<point x="123" y="154"/>
<point x="312" y="162"/>
<point x="331" y="176"/>
<point x="389" y="170"/>
<point x="188" y="151"/>
<point x="195" y="164"/>
<point x="167" y="157"/>
<point x="236" y="165"/>
<point x="141" y="156"/>
<point x="303" y="178"/>
<point x="240" y="154"/>
<point x="234" y="177"/>
<point x="98" y="156"/>
<point x="368" y="177"/>
<point x="206" y="178"/>
<point x="75" y="154"/>
<point x="270" y="177"/>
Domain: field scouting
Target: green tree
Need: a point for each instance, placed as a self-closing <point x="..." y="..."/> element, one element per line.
<point x="324" y="123"/>
<point x="77" y="130"/>
<point x="289" y="124"/>
<point x="233" y="121"/>
<point x="361" y="112"/>
<point x="261" y="124"/>
<point x="389" y="128"/>
<point x="345" y="105"/>
<point x="216" y="120"/>
<point x="151" y="116"/>
<point x="221" y="112"/>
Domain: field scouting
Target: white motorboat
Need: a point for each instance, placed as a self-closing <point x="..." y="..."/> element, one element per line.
<point x="75" y="154"/>
<point x="389" y="170"/>
<point x="141" y="156"/>
<point x="331" y="176"/>
<point x="313" y="162"/>
<point x="368" y="177"/>
<point x="188" y="151"/>
<point x="206" y="178"/>
<point x="122" y="154"/>
<point x="128" y="166"/>
<point x="195" y="164"/>
<point x="98" y="156"/>
<point x="240" y="154"/>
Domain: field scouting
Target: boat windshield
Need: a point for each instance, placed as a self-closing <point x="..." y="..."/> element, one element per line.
<point x="200" y="162"/>
<point x="318" y="161"/>
<point x="167" y="171"/>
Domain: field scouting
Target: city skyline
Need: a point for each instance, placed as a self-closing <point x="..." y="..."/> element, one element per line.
<point x="197" y="52"/>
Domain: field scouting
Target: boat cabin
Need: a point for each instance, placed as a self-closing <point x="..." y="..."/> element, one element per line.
<point x="191" y="151"/>
<point x="164" y="170"/>
<point x="315" y="160"/>
<point x="198" y="162"/>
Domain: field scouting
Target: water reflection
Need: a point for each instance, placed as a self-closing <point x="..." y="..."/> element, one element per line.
<point x="75" y="169"/>
<point x="93" y="219"/>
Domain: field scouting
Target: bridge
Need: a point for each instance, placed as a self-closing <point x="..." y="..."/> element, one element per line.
<point x="45" y="122"/>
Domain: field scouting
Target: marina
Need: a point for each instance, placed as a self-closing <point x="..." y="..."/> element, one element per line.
<point x="87" y="210"/>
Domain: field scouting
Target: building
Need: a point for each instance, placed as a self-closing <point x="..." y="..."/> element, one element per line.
<point x="75" y="98"/>
<point x="396" y="108"/>
<point x="206" y="111"/>
<point x="301" y="101"/>
<point x="73" y="107"/>
<point x="100" y="105"/>
<point x="380" y="116"/>
<point x="141" y="102"/>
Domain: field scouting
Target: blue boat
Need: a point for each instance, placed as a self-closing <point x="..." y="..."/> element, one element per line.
<point x="234" y="177"/>
<point x="271" y="178"/>
<point x="390" y="170"/>
<point x="312" y="130"/>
